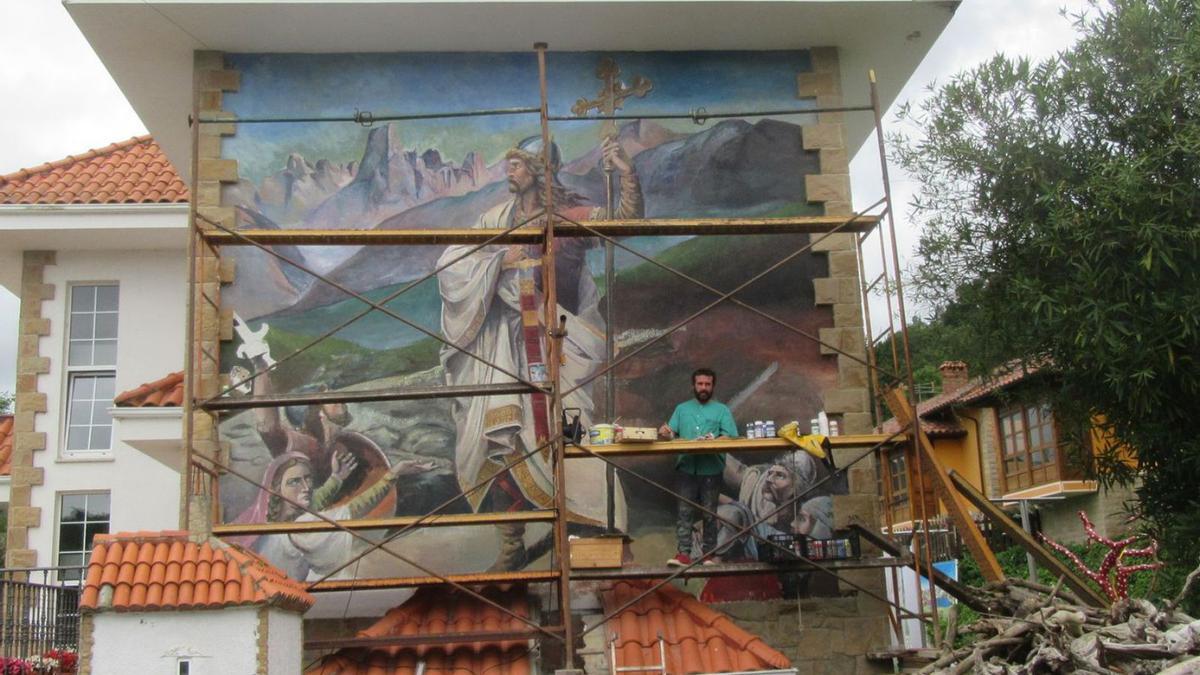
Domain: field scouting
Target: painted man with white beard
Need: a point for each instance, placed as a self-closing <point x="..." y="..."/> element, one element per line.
<point x="482" y="313"/>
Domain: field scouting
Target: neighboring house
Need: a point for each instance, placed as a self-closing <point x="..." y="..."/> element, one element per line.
<point x="94" y="245"/>
<point x="1012" y="449"/>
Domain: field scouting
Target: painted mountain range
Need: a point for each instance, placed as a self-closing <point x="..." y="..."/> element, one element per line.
<point x="736" y="167"/>
<point x="387" y="180"/>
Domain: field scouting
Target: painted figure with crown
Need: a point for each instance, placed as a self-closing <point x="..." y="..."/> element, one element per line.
<point x="483" y="298"/>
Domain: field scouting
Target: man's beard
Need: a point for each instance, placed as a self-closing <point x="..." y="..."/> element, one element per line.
<point x="703" y="396"/>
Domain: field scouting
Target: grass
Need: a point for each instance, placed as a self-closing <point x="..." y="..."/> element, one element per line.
<point x="336" y="362"/>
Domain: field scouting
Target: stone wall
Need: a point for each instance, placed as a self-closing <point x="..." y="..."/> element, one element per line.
<point x="210" y="325"/>
<point x="841" y="289"/>
<point x="30" y="402"/>
<point x="1105" y="508"/>
<point x="819" y="635"/>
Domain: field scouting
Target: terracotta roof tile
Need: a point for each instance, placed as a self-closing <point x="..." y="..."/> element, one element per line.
<point x="698" y="638"/>
<point x="163" y="393"/>
<point x="6" y="444"/>
<point x="148" y="571"/>
<point x="436" y="612"/>
<point x="977" y="388"/>
<point x="129" y="172"/>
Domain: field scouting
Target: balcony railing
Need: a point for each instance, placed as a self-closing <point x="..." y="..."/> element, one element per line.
<point x="37" y="611"/>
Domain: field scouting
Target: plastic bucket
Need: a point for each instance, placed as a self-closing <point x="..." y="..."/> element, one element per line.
<point x="602" y="434"/>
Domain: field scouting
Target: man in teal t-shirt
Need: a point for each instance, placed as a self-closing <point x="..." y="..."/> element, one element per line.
<point x="698" y="477"/>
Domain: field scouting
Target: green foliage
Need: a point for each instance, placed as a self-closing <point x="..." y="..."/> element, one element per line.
<point x="1059" y="205"/>
<point x="6" y="402"/>
<point x="947" y="336"/>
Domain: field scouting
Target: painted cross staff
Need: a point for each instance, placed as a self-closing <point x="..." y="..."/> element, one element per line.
<point x="611" y="99"/>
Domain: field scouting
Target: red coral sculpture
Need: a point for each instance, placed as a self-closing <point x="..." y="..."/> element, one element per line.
<point x="1112" y="577"/>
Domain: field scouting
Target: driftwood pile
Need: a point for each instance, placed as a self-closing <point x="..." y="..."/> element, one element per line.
<point x="1031" y="628"/>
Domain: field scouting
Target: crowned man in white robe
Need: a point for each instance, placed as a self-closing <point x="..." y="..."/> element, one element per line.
<point x="481" y="313"/>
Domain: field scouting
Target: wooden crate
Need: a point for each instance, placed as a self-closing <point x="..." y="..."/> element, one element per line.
<point x="594" y="552"/>
<point x="637" y="435"/>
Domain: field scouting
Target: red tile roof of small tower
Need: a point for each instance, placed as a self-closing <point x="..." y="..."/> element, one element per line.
<point x="162" y="393"/>
<point x="434" y="612"/>
<point x="152" y="571"/>
<point x="696" y="637"/>
<point x="127" y="172"/>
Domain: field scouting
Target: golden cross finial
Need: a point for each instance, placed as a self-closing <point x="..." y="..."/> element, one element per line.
<point x="612" y="95"/>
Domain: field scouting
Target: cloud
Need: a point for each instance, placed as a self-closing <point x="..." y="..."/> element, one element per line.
<point x="979" y="29"/>
<point x="58" y="97"/>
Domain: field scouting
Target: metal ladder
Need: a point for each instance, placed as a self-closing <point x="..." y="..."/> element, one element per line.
<point x="660" y="668"/>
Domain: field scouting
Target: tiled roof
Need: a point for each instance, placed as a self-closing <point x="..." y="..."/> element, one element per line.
<point x="150" y="571"/>
<point x="979" y="387"/>
<point x="975" y="389"/>
<point x="933" y="428"/>
<point x="698" y="639"/>
<point x="129" y="172"/>
<point x="436" y="612"/>
<point x="6" y="444"/>
<point x="163" y="393"/>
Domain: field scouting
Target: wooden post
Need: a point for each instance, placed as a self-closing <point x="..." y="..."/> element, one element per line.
<point x="1040" y="553"/>
<point x="955" y="504"/>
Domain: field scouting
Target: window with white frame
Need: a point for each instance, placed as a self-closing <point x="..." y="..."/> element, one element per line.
<point x="91" y="368"/>
<point x="81" y="516"/>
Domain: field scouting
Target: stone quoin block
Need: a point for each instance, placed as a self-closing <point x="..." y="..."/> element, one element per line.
<point x="857" y="423"/>
<point x="220" y="80"/>
<point x="208" y="146"/>
<point x="848" y="340"/>
<point x="847" y="314"/>
<point x="24" y="516"/>
<point x="31" y="400"/>
<point x="838" y="241"/>
<point x="223" y="170"/>
<point x="834" y="160"/>
<point x="843" y="264"/>
<point x="823" y="136"/>
<point x="28" y="475"/>
<point x="35" y="326"/>
<point x="852" y="373"/>
<point x="39" y="365"/>
<point x="223" y="216"/>
<point x="825" y="291"/>
<point x="827" y="187"/>
<point x="30" y="441"/>
<point x="813" y="84"/>
<point x="19" y="496"/>
<point x="21" y="557"/>
<point x="33" y="292"/>
<point x="846" y="400"/>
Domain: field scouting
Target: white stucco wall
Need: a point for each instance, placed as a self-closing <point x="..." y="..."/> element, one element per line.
<point x="285" y="635"/>
<point x="150" y="338"/>
<point x="217" y="642"/>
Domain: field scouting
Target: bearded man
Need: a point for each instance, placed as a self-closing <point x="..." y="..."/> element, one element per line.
<point x="483" y="297"/>
<point x="763" y="488"/>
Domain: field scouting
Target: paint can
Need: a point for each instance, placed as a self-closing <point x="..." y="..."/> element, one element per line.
<point x="602" y="434"/>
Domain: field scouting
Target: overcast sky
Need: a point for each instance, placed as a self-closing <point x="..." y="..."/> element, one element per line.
<point x="59" y="100"/>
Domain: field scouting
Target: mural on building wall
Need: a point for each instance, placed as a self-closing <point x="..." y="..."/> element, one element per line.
<point x="404" y="458"/>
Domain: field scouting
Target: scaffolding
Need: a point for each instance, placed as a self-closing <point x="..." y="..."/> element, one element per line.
<point x="208" y="396"/>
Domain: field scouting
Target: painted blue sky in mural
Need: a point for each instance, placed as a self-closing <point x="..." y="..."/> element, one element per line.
<point x="292" y="85"/>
